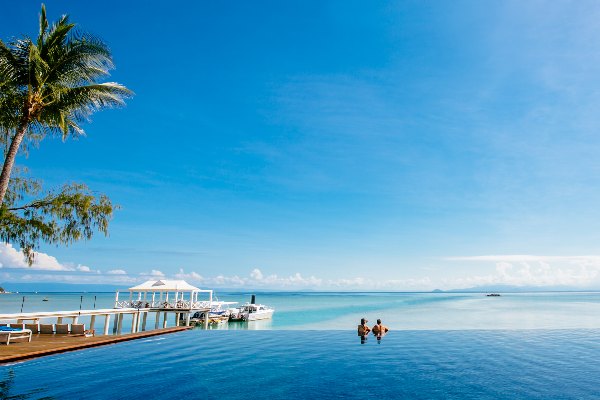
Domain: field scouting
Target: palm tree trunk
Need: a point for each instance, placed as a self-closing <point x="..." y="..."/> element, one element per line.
<point x="9" y="161"/>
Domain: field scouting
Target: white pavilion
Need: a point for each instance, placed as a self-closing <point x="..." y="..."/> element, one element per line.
<point x="164" y="296"/>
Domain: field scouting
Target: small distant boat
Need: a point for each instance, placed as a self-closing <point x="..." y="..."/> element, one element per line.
<point x="45" y="299"/>
<point x="493" y="295"/>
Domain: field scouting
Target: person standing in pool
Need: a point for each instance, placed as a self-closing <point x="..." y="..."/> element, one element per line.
<point x="380" y="329"/>
<point x="363" y="330"/>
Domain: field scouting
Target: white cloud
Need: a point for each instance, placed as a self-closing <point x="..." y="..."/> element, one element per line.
<point x="116" y="272"/>
<point x="526" y="258"/>
<point x="515" y="270"/>
<point x="154" y="273"/>
<point x="257" y="279"/>
<point x="73" y="278"/>
<point x="13" y="258"/>
<point x="532" y="270"/>
<point x="256" y="274"/>
<point x="192" y="276"/>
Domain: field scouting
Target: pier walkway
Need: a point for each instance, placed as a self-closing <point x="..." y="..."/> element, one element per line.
<point x="35" y="317"/>
<point x="139" y="317"/>
<point x="44" y="345"/>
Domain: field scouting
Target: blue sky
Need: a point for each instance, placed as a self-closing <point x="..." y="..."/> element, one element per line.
<point x="404" y="145"/>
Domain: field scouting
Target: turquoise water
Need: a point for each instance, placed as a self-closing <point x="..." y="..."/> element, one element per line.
<point x="408" y="311"/>
<point x="441" y="346"/>
<point x="198" y="364"/>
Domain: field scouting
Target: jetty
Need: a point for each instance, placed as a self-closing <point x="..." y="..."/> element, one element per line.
<point x="160" y="298"/>
<point x="34" y="318"/>
<point x="48" y="332"/>
<point x="153" y="297"/>
<point x="45" y="345"/>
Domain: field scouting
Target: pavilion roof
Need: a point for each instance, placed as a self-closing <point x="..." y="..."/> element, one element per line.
<point x="164" y="285"/>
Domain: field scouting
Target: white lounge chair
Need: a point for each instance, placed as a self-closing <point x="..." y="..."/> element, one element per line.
<point x="12" y="335"/>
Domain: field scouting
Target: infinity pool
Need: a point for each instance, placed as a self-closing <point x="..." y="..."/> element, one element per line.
<point x="525" y="364"/>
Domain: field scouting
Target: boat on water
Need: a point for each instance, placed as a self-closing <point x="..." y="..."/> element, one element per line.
<point x="493" y="295"/>
<point x="219" y="313"/>
<point x="251" y="312"/>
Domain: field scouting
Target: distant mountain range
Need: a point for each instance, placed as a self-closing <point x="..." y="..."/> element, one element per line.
<point x="516" y="289"/>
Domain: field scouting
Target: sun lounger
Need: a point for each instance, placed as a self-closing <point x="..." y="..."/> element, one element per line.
<point x="79" y="330"/>
<point x="47" y="329"/>
<point x="62" y="329"/>
<point x="8" y="334"/>
<point x="34" y="328"/>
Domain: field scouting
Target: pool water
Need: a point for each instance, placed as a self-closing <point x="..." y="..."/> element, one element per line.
<point x="285" y="364"/>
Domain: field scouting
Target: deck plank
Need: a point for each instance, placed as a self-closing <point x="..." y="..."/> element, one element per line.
<point x="44" y="345"/>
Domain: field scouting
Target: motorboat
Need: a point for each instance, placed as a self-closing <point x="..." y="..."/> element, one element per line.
<point x="251" y="312"/>
<point x="219" y="313"/>
<point x="493" y="295"/>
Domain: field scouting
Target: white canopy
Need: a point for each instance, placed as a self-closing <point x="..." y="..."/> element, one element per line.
<point x="163" y="285"/>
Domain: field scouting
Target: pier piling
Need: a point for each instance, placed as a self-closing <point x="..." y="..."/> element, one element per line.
<point x="106" y="323"/>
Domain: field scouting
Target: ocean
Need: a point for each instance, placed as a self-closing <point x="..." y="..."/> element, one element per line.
<point x="441" y="346"/>
<point x="343" y="310"/>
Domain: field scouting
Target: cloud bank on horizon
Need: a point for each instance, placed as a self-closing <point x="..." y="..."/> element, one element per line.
<point x="579" y="272"/>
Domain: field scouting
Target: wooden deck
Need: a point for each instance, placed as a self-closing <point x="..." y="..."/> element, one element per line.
<point x="44" y="345"/>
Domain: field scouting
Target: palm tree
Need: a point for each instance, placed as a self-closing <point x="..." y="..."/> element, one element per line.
<point x="51" y="86"/>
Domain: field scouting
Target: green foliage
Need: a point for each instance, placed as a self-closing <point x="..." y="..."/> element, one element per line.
<point x="60" y="217"/>
<point x="50" y="85"/>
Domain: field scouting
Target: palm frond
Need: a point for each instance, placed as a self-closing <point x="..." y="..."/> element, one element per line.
<point x="11" y="66"/>
<point x="73" y="105"/>
<point x="57" y="36"/>
<point x="38" y="67"/>
<point x="81" y="60"/>
<point x="59" y="73"/>
<point x="43" y="26"/>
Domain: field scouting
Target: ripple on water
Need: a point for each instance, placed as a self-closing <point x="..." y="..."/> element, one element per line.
<point x="330" y="364"/>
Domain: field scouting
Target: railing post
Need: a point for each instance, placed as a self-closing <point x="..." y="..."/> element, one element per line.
<point x="106" y="323"/>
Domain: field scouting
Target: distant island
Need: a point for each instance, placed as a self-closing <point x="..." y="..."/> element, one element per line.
<point x="515" y="289"/>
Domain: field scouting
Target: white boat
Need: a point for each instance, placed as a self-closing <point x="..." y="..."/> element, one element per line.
<point x="218" y="314"/>
<point x="251" y="312"/>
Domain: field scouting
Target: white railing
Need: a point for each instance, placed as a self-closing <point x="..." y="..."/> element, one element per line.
<point x="181" y="304"/>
